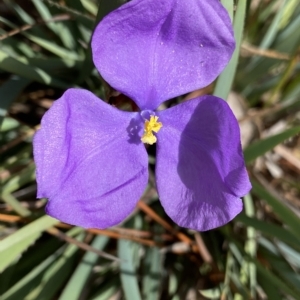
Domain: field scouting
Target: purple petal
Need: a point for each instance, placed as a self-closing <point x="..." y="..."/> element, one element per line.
<point x="156" y="50"/>
<point x="200" y="171"/>
<point x="87" y="164"/>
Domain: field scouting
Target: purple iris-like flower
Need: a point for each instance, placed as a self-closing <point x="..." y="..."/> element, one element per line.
<point x="91" y="159"/>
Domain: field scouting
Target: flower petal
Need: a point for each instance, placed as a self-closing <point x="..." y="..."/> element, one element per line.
<point x="200" y="171"/>
<point x="153" y="51"/>
<point x="87" y="164"/>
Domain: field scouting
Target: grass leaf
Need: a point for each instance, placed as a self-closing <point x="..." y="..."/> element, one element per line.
<point x="12" y="246"/>
<point x="126" y="251"/>
<point x="9" y="92"/>
<point x="260" y="147"/>
<point x="225" y="80"/>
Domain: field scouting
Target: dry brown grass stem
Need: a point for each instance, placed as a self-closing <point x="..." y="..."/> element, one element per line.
<point x="26" y="27"/>
<point x="132" y="235"/>
<point x="57" y="233"/>
<point x="250" y="50"/>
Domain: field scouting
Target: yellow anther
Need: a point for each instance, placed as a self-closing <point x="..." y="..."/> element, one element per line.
<point x="149" y="138"/>
<point x="151" y="126"/>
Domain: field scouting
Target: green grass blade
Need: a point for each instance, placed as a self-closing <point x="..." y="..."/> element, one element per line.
<point x="15" y="205"/>
<point x="31" y="280"/>
<point x="225" y="80"/>
<point x="56" y="275"/>
<point x="25" y="17"/>
<point x="60" y="29"/>
<point x="17" y="181"/>
<point x="107" y="290"/>
<point x="286" y="215"/>
<point x="78" y="280"/>
<point x="9" y="124"/>
<point x="90" y="6"/>
<point x="291" y="255"/>
<point x="248" y="269"/>
<point x="274" y="280"/>
<point x="46" y="43"/>
<point x="9" y="92"/>
<point x="285" y="272"/>
<point x="288" y="40"/>
<point x="270" y="230"/>
<point x="153" y="273"/>
<point x="228" y="4"/>
<point x="54" y="48"/>
<point x="21" y="67"/>
<point x="259" y="148"/>
<point x="213" y="294"/>
<point x="270" y="35"/>
<point x="126" y="251"/>
<point x="12" y="246"/>
<point x="279" y="269"/>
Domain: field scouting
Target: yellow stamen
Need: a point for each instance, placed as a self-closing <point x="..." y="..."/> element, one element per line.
<point x="149" y="138"/>
<point x="153" y="124"/>
<point x="150" y="127"/>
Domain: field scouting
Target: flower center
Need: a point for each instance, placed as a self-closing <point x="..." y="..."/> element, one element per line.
<point x="151" y="126"/>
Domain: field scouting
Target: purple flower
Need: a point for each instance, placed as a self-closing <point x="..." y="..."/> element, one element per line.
<point x="91" y="160"/>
